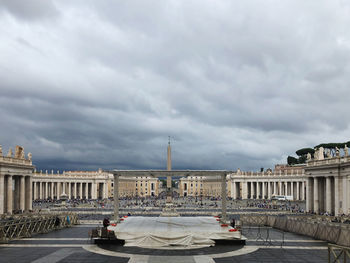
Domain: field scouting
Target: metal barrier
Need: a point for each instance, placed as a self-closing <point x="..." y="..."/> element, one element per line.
<point x="26" y="226"/>
<point x="338" y="254"/>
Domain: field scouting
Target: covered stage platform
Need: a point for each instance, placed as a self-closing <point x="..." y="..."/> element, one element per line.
<point x="174" y="232"/>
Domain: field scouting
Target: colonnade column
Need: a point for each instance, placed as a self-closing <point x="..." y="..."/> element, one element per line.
<point x="2" y="193"/>
<point x="263" y="190"/>
<point x="275" y="188"/>
<point x="40" y="190"/>
<point x="116" y="197"/>
<point x="86" y="190"/>
<point x="316" y="200"/>
<point x="52" y="194"/>
<point x="292" y="189"/>
<point x="298" y="192"/>
<point x="285" y="188"/>
<point x="336" y="196"/>
<point x="269" y="189"/>
<point x="253" y="191"/>
<point x="303" y="190"/>
<point x="257" y="190"/>
<point x="345" y="195"/>
<point x="81" y="190"/>
<point x="223" y="197"/>
<point x="233" y="190"/>
<point x="22" y="194"/>
<point x="328" y="195"/>
<point x="75" y="190"/>
<point x="244" y="190"/>
<point x="280" y="188"/>
<point x="34" y="190"/>
<point x="9" y="194"/>
<point x="28" y="193"/>
<point x="46" y="190"/>
<point x="105" y="190"/>
<point x="309" y="192"/>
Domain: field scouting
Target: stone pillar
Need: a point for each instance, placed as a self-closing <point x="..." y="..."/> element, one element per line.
<point x="316" y="200"/>
<point x="223" y="197"/>
<point x="269" y="190"/>
<point x="298" y="191"/>
<point x="309" y="197"/>
<point x="234" y="190"/>
<point x="81" y="190"/>
<point x="253" y="192"/>
<point x="22" y="194"/>
<point x="244" y="190"/>
<point x="345" y="195"/>
<point x="75" y="190"/>
<point x="86" y="190"/>
<point x="285" y="188"/>
<point x="292" y="189"/>
<point x="9" y="194"/>
<point x="280" y="188"/>
<point x="52" y="193"/>
<point x="46" y="190"/>
<point x="275" y="188"/>
<point x="94" y="190"/>
<point x="336" y="196"/>
<point x="28" y="193"/>
<point x="263" y="190"/>
<point x="35" y="191"/>
<point x="105" y="190"/>
<point x="328" y="194"/>
<point x="116" y="197"/>
<point x="303" y="190"/>
<point x="69" y="190"/>
<point x="40" y="190"/>
<point x="58" y="190"/>
<point x="257" y="190"/>
<point x="16" y="193"/>
<point x="2" y="194"/>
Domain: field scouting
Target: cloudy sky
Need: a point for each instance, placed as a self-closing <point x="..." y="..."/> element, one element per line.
<point x="236" y="84"/>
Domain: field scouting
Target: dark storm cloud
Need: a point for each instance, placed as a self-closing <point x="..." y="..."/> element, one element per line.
<point x="88" y="84"/>
<point x="29" y="9"/>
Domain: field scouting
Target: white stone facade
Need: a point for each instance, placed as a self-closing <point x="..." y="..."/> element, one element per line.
<point x="15" y="182"/>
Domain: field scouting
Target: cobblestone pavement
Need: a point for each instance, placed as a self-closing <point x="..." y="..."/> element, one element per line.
<point x="73" y="245"/>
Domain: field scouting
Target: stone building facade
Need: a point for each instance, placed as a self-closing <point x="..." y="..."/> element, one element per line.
<point x="328" y="185"/>
<point x="283" y="180"/>
<point x="15" y="181"/>
<point x="90" y="185"/>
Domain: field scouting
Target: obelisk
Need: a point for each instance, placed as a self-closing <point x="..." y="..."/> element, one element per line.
<point x="168" y="179"/>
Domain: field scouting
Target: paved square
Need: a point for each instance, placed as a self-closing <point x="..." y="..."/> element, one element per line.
<point x="73" y="245"/>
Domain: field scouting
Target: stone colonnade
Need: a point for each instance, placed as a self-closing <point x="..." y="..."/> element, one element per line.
<point x="328" y="186"/>
<point x="265" y="189"/>
<point x="15" y="181"/>
<point x="15" y="193"/>
<point x="83" y="189"/>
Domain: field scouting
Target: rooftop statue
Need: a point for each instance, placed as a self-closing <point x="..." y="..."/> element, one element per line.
<point x="346" y="150"/>
<point x="0" y="151"/>
<point x="308" y="157"/>
<point x="29" y="156"/>
<point x="328" y="153"/>
<point x="337" y="152"/>
<point x="316" y="154"/>
<point x="321" y="153"/>
<point x="9" y="154"/>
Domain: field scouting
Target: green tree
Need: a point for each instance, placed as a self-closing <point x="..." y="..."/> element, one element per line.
<point x="292" y="160"/>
